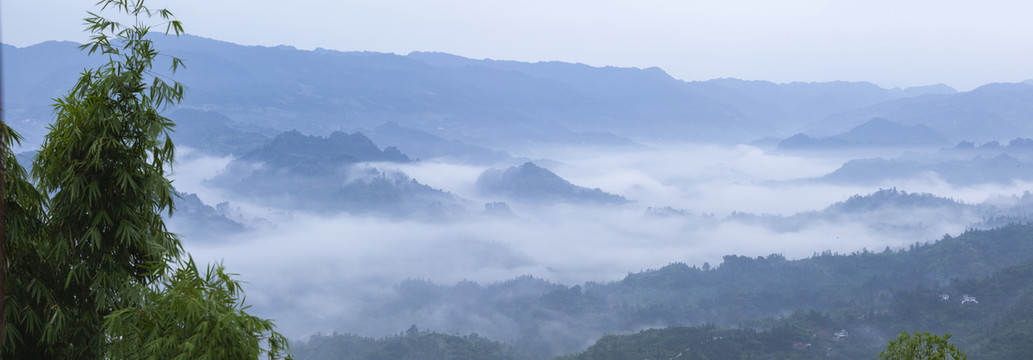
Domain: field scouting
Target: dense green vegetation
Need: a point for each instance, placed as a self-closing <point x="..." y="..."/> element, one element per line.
<point x="90" y="270"/>
<point x="802" y="335"/>
<point x="995" y="324"/>
<point x="922" y="345"/>
<point x="766" y="305"/>
<point x="411" y="344"/>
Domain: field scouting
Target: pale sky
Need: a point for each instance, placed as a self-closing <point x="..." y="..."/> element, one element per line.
<point x="893" y="43"/>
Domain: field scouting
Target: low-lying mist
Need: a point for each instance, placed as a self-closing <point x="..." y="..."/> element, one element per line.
<point x="317" y="272"/>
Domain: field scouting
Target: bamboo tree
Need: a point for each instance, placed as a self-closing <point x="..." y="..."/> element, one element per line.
<point x="97" y="273"/>
<point x="30" y="280"/>
<point x="103" y="163"/>
<point x="192" y="315"/>
<point x="3" y="239"/>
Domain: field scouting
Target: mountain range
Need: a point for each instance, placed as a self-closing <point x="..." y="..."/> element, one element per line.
<point x="507" y="104"/>
<point x="417" y="142"/>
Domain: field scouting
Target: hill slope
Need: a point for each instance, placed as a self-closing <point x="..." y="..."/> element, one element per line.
<point x="530" y="183"/>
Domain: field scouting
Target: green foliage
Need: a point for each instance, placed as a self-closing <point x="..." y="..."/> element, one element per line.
<point x="29" y="281"/>
<point x="872" y="295"/>
<point x="802" y="335"/>
<point x="89" y="252"/>
<point x="995" y="327"/>
<point x="188" y="315"/>
<point x="922" y="346"/>
<point x="103" y="164"/>
<point x="745" y="288"/>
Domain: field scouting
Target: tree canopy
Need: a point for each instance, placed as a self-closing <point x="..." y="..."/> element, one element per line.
<point x="92" y="271"/>
<point x="922" y="346"/>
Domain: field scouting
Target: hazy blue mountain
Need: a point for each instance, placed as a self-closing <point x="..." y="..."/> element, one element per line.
<point x="1001" y="169"/>
<point x="991" y="112"/>
<point x="530" y="183"/>
<point x="423" y="145"/>
<point x="891" y="198"/>
<point x="937" y="89"/>
<point x="1020" y="148"/>
<point x="314" y="155"/>
<point x="322" y="91"/>
<point x="216" y="134"/>
<point x="193" y="219"/>
<point x="356" y="190"/>
<point x="789" y="107"/>
<point x="889" y="211"/>
<point x="883" y="132"/>
<point x="780" y="108"/>
<point x="875" y="133"/>
<point x="32" y="77"/>
<point x="505" y="104"/>
<point x="324" y="174"/>
<point x="610" y="99"/>
<point x="880" y="211"/>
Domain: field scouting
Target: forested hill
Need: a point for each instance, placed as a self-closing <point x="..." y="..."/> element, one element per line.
<point x="411" y="344"/>
<point x="989" y="318"/>
<point x="534" y="184"/>
<point x="744" y="288"/>
<point x="546" y="319"/>
<point x="316" y="173"/>
<point x="314" y="155"/>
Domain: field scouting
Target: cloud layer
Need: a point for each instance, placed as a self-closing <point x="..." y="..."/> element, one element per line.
<point x="321" y="272"/>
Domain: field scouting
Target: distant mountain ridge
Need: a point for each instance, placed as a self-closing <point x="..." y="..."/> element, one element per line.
<point x="424" y="145"/>
<point x="1000" y="169"/>
<point x="990" y="112"/>
<point x="507" y="104"/>
<point x="874" y="133"/>
<point x="216" y="134"/>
